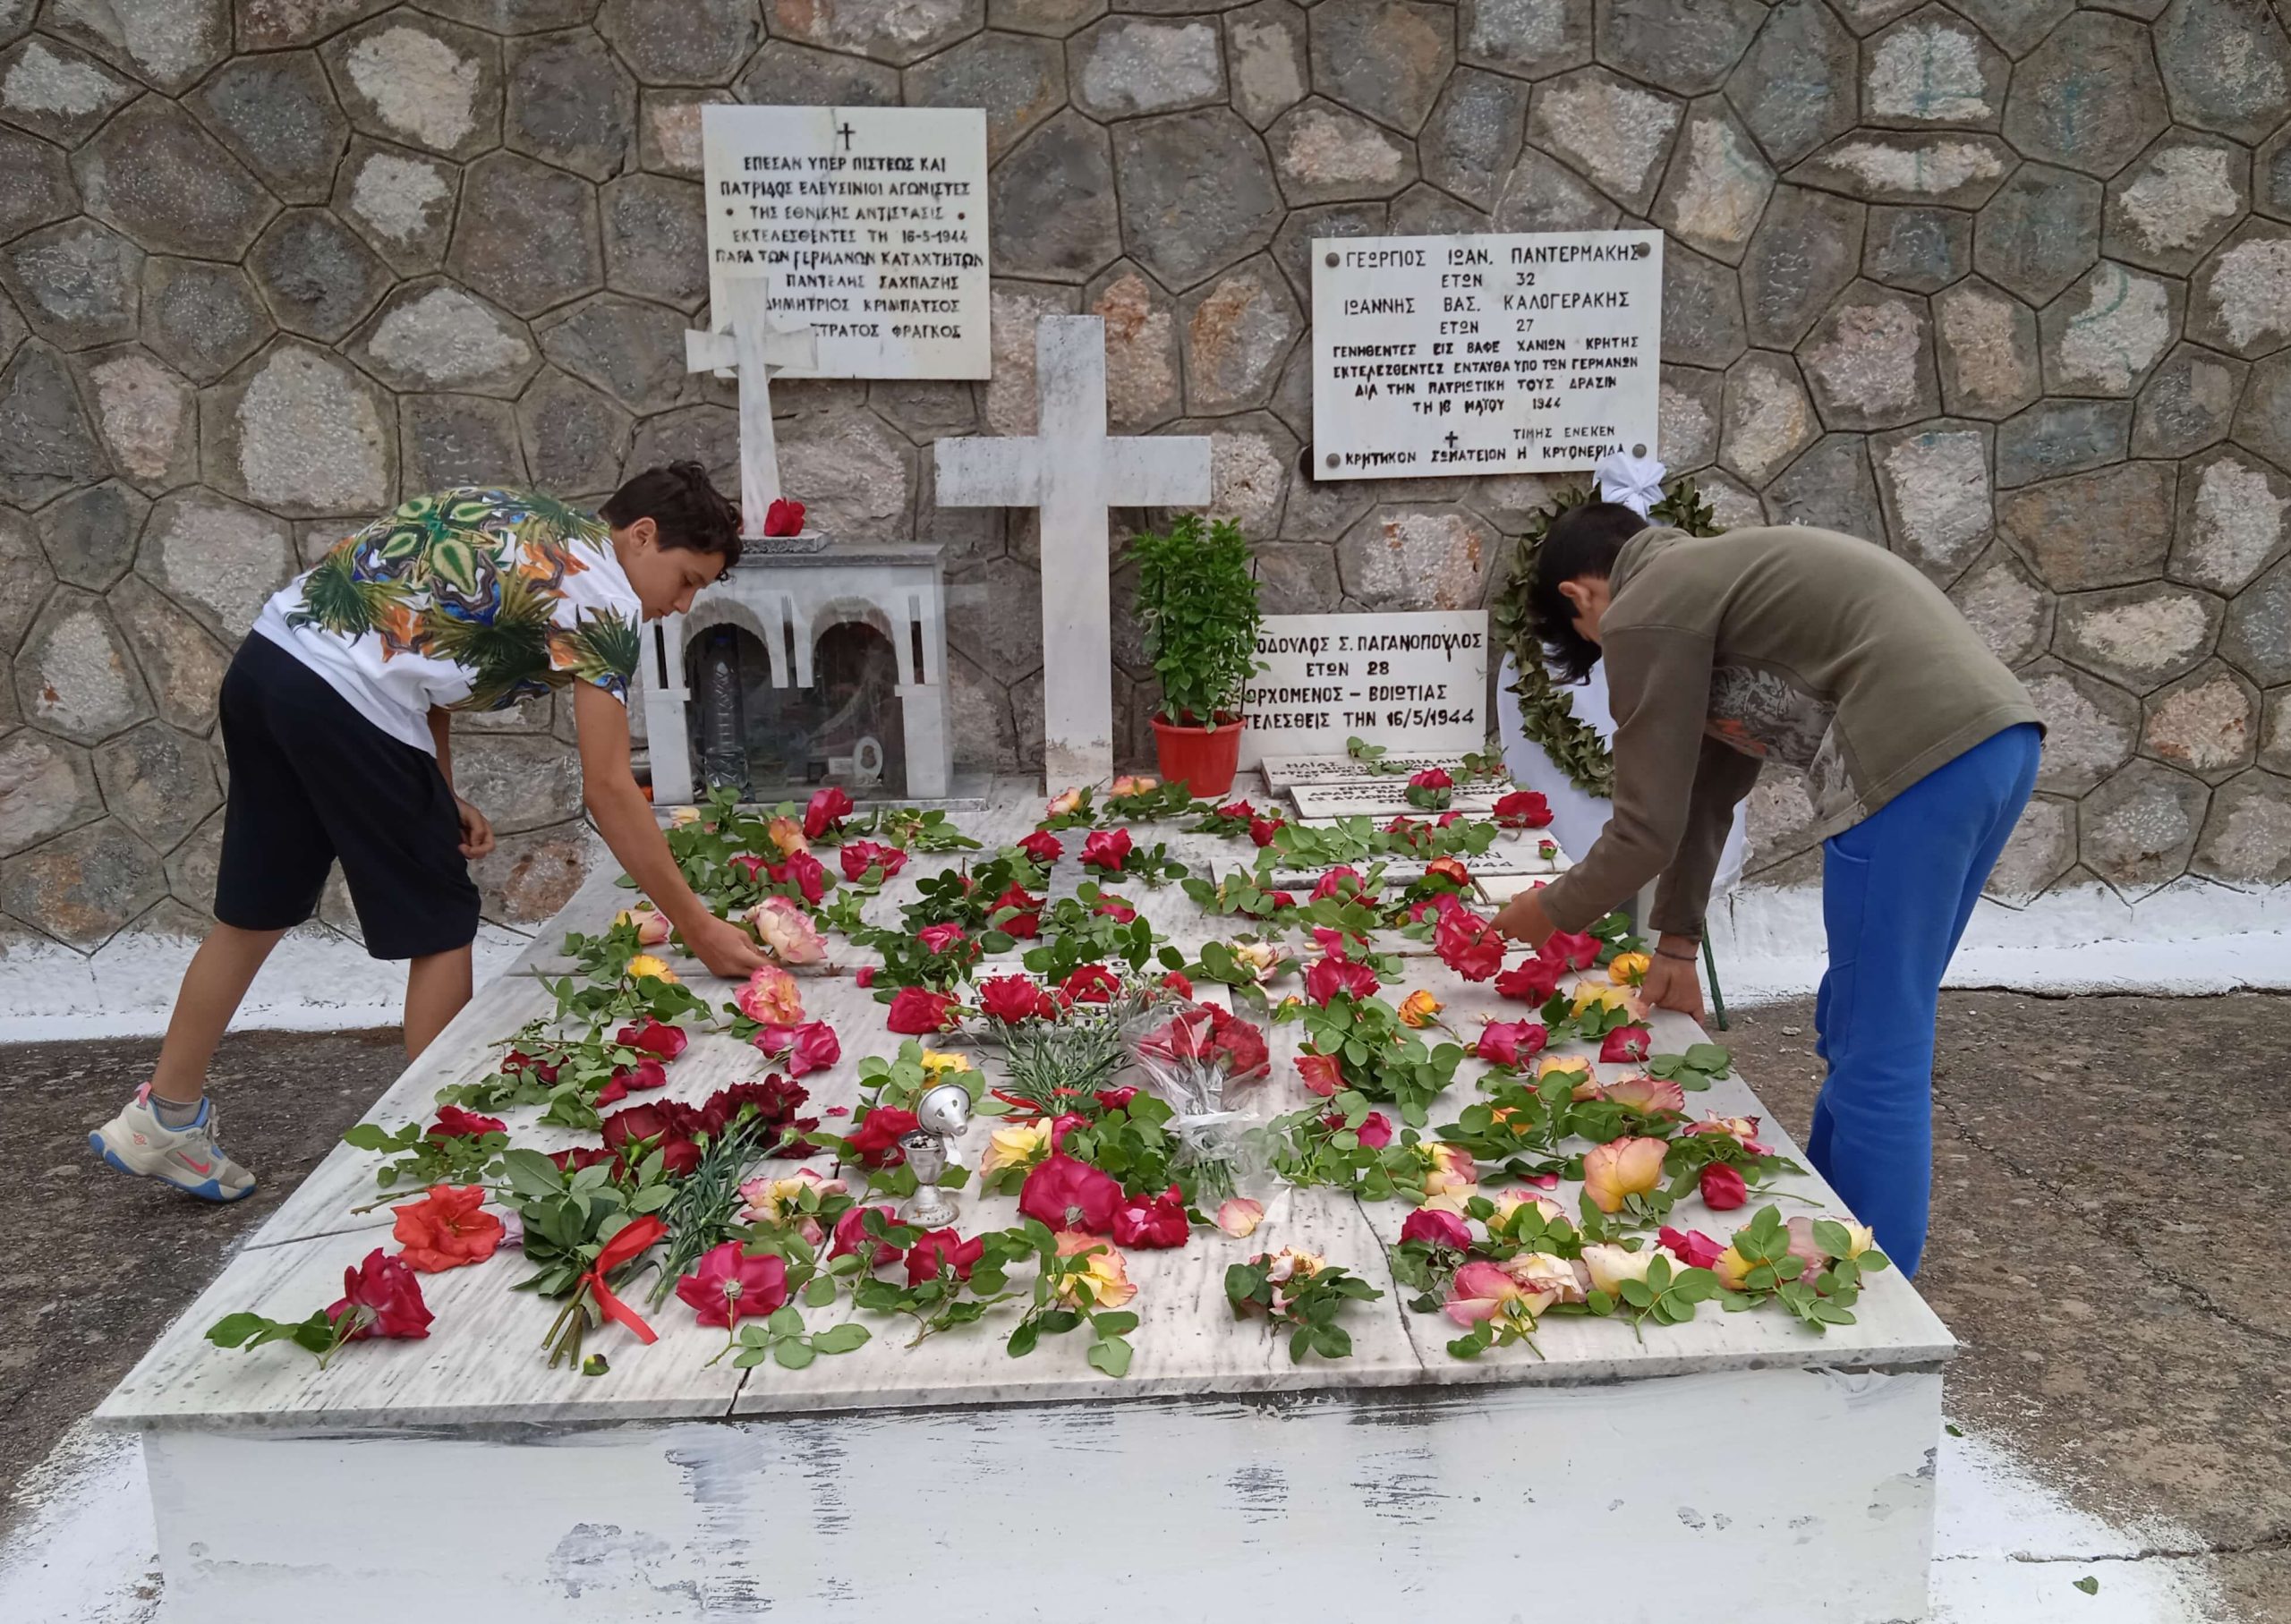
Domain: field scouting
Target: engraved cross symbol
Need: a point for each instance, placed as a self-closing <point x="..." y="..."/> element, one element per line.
<point x="844" y="130"/>
<point x="1452" y="439"/>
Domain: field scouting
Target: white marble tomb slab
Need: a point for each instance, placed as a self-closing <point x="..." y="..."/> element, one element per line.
<point x="1388" y="799"/>
<point x="1287" y="771"/>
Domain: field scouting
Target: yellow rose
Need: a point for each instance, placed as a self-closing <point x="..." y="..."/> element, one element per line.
<point x="1105" y="1273"/>
<point x="1551" y="1280"/>
<point x="1629" y="969"/>
<point x="680" y="817"/>
<point x="1562" y="1062"/>
<point x="1419" y="1009"/>
<point x="1064" y="803"/>
<point x="651" y="925"/>
<point x="1020" y="1146"/>
<point x="1621" y="1168"/>
<point x="645" y="964"/>
<point x="1259" y="956"/>
<point x="1611" y="1265"/>
<point x="1732" y="1269"/>
<point x="1509" y="1202"/>
<point x="1591" y="997"/>
<point x="788" y="835"/>
<point x="936" y="1064"/>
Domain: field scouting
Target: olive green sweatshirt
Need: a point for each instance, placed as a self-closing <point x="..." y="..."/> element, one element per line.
<point x="1785" y="643"/>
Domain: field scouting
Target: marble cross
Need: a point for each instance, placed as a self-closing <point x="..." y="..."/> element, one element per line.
<point x="1073" y="471"/>
<point x="751" y="346"/>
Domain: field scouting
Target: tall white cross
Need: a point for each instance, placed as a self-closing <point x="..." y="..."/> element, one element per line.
<point x="1073" y="471"/>
<point x="749" y="344"/>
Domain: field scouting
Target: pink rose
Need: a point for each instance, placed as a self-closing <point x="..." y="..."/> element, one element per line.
<point x="1440" y="1229"/>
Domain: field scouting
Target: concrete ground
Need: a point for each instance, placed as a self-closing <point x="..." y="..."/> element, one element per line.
<point x="2110" y="1206"/>
<point x="2112" y="1202"/>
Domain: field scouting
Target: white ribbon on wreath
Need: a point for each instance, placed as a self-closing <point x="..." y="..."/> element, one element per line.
<point x="1578" y="816"/>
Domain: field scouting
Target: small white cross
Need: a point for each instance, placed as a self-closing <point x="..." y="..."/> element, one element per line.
<point x="747" y="344"/>
<point x="1073" y="471"/>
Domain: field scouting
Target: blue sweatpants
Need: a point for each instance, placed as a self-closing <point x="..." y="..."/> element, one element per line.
<point x="1897" y="889"/>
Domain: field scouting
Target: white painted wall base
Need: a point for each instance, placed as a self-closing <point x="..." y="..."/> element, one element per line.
<point x="1795" y="1496"/>
<point x="317" y="981"/>
<point x="2191" y="937"/>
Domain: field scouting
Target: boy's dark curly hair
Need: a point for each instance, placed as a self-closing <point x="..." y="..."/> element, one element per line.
<point x="691" y="514"/>
<point x="1581" y="541"/>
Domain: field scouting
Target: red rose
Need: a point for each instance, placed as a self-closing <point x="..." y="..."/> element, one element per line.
<point x="748" y="864"/>
<point x="574" y="1160"/>
<point x="1523" y="809"/>
<point x="1262" y="829"/>
<point x="1691" y="1247"/>
<point x="829" y="807"/>
<point x="662" y="1038"/>
<point x="1440" y="903"/>
<point x="1509" y="1042"/>
<point x="728" y="1286"/>
<point x="455" y="1123"/>
<point x="858" y="856"/>
<point x="917" y="1012"/>
<point x="1092" y="984"/>
<point x="938" y="1249"/>
<point x="1377" y="1131"/>
<point x="1534" y="979"/>
<point x="1009" y="998"/>
<point x="1432" y="777"/>
<point x="384" y="1294"/>
<point x="517" y="1062"/>
<point x="1468" y="945"/>
<point x="1070" y="1194"/>
<point x="1341" y="881"/>
<point x="938" y="938"/>
<point x="1106" y="850"/>
<point x="804" y="1049"/>
<point x="1571" y="949"/>
<point x="626" y="1079"/>
<point x="802" y="869"/>
<point x="1115" y="908"/>
<point x="1724" y="1189"/>
<point x="1441" y="1229"/>
<point x="1335" y="974"/>
<point x="1321" y="1074"/>
<point x="782" y="518"/>
<point x="1042" y="846"/>
<point x="1282" y="899"/>
<point x="876" y="1142"/>
<point x="1024" y="911"/>
<point x="1115" y="1099"/>
<point x="1156" y="1221"/>
<point x="851" y="1234"/>
<point x="1625" y="1043"/>
<point x="1065" y="1123"/>
<point x="1239" y="810"/>
<point x="865" y="977"/>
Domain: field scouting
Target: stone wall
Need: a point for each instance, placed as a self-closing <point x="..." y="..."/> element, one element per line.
<point x="2008" y="286"/>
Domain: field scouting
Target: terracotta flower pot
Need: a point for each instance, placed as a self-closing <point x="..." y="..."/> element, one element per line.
<point x="1203" y="758"/>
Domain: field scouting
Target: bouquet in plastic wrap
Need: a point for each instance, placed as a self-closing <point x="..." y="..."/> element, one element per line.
<point x="1201" y="1060"/>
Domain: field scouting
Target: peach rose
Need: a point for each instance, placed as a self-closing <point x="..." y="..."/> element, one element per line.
<point x="771" y="998"/>
<point x="1610" y="1265"/>
<point x="1621" y="1168"/>
<point x="788" y="835"/>
<point x="1419" y="1009"/>
<point x="1106" y="1273"/>
<point x="651" y="924"/>
<point x="787" y="932"/>
<point x="1241" y="1216"/>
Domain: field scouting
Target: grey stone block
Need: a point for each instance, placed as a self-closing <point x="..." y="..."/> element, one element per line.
<point x="1869" y="360"/>
<point x="417" y="81"/>
<point x="1718" y="183"/>
<point x="1952" y="168"/>
<point x="2055" y="437"/>
<point x="2137" y="637"/>
<point x="446" y="440"/>
<point x="2092" y="727"/>
<point x="2224" y="63"/>
<point x="1830" y="486"/>
<point x="315" y="275"/>
<point x="1803" y="254"/>
<point x="2105" y="334"/>
<point x="1268" y="55"/>
<point x="896" y="34"/>
<point x="1686" y="46"/>
<point x="47" y="445"/>
<point x="1237" y="331"/>
<point x="703" y="42"/>
<point x="77" y="283"/>
<point x="1984" y="350"/>
<point x="146" y="413"/>
<point x="89" y="535"/>
<point x="1933" y="69"/>
<point x="796" y="75"/>
<point x="1922" y="249"/>
<point x="2004" y="603"/>
<point x="2139" y="830"/>
<point x="570" y="103"/>
<point x="2039" y="233"/>
<point x="1052" y="202"/>
<point x="1933" y="486"/>
<point x="2187" y="403"/>
<point x="2256" y="637"/>
<point x="297" y="432"/>
<point x="1611" y="131"/>
<point x="155" y="174"/>
<point x="1323" y="154"/>
<point x="85" y="886"/>
<point x="1796" y="86"/>
<point x="59" y="91"/>
<point x="401" y="202"/>
<point x="2246" y="837"/>
<point x="1020" y="80"/>
<point x="573" y="437"/>
<point x="2176" y="201"/>
<point x="1197" y="193"/>
<point x="1702" y="311"/>
<point x="158" y="782"/>
<point x="277" y="113"/>
<point x="1384" y="58"/>
<point x="527" y="236"/>
<point x="656" y="240"/>
<point x="633" y="351"/>
<point x="2240" y="296"/>
<point x="2089" y="97"/>
<point x="2111" y="527"/>
<point x="1473" y="138"/>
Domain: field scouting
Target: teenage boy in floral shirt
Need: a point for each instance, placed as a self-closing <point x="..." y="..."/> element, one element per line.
<point x="338" y="715"/>
<point x="1919" y="747"/>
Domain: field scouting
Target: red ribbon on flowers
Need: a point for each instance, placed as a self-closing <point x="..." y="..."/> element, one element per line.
<point x="639" y="1234"/>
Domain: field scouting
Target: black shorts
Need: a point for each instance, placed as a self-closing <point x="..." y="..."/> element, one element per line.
<point x="312" y="781"/>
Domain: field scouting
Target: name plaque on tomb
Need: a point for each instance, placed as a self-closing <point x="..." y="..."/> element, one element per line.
<point x="1497" y="353"/>
<point x="868" y="224"/>
<point x="1416" y="684"/>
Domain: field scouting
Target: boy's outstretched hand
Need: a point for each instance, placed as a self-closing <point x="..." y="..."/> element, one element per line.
<point x="725" y="948"/>
<point x="477" y="833"/>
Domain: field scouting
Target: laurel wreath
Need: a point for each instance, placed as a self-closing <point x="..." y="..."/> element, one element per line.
<point x="1546" y="716"/>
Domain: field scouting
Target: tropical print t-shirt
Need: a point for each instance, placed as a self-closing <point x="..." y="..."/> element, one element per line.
<point x="472" y="600"/>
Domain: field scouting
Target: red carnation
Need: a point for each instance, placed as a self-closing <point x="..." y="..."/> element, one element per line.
<point x="1010" y="998"/>
<point x="1092" y="984"/>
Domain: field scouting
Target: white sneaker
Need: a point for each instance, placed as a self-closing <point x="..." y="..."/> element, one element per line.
<point x="188" y="1157"/>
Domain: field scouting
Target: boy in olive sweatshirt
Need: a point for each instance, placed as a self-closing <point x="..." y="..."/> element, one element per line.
<point x="1919" y="750"/>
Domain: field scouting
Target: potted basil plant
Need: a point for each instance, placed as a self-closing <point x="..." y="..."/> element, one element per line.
<point x="1197" y="596"/>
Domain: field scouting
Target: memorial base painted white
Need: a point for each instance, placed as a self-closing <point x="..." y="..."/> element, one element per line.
<point x="1795" y="1496"/>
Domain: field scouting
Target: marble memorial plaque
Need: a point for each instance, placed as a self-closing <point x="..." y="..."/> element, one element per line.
<point x="868" y="224"/>
<point x="1493" y="353"/>
<point x="1387" y="799"/>
<point x="1287" y="771"/>
<point x="1408" y="682"/>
